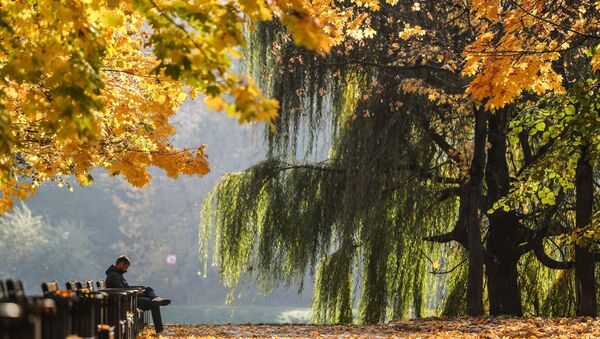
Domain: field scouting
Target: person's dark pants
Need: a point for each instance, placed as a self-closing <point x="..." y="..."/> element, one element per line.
<point x="145" y="303"/>
<point x="149" y="293"/>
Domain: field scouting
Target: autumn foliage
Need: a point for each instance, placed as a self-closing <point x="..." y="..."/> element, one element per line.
<point x="89" y="84"/>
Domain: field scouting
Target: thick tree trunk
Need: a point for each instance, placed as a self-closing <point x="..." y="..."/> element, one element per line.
<point x="505" y="230"/>
<point x="501" y="267"/>
<point x="585" y="282"/>
<point x="470" y="200"/>
<point x="503" y="290"/>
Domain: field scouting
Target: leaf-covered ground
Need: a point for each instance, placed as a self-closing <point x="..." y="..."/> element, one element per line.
<point x="501" y="327"/>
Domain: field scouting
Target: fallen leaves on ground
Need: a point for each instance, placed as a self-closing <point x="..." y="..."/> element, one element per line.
<point x="466" y="327"/>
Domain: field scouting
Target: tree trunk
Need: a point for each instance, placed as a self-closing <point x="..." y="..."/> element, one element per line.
<point x="505" y="230"/>
<point x="585" y="282"/>
<point x="470" y="200"/>
<point x="501" y="267"/>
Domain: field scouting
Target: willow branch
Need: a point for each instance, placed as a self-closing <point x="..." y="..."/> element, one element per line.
<point x="453" y="268"/>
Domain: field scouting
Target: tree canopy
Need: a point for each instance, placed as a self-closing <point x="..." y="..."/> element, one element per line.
<point x="94" y="83"/>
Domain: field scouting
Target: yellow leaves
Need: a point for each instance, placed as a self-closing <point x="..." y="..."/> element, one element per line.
<point x="250" y="104"/>
<point x="256" y="9"/>
<point x="112" y="19"/>
<point x="358" y="27"/>
<point x="309" y="32"/>
<point x="321" y="24"/>
<point x="595" y="62"/>
<point x="217" y="103"/>
<point x="410" y="31"/>
<point x="94" y="83"/>
<point x="503" y="79"/>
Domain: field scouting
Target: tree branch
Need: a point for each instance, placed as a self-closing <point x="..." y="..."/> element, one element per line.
<point x="541" y="255"/>
<point x="453" y="268"/>
<point x="442" y="238"/>
<point x="452" y="152"/>
<point x="390" y="66"/>
<point x="555" y="24"/>
<point x="449" y="192"/>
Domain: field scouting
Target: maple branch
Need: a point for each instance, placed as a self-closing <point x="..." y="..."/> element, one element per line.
<point x="126" y="72"/>
<point x="516" y="52"/>
<point x="390" y="66"/>
<point x="592" y="36"/>
<point x="512" y="53"/>
<point x="464" y="11"/>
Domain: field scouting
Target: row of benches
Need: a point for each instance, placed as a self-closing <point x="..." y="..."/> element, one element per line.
<point x="79" y="310"/>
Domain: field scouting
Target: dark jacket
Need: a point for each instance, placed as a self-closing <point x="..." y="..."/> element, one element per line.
<point x="114" y="278"/>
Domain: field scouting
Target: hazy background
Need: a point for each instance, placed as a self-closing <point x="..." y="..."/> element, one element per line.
<point x="62" y="235"/>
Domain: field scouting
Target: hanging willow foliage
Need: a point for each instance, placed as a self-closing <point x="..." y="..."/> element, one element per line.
<point x="355" y="221"/>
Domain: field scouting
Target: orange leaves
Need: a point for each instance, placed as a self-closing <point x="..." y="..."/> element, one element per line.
<point x="515" y="48"/>
<point x="486" y="8"/>
<point x="309" y="32"/>
<point x="503" y="79"/>
<point x="463" y="327"/>
<point x="321" y="24"/>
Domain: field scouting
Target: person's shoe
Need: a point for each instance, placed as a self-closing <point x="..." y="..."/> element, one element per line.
<point x="158" y="301"/>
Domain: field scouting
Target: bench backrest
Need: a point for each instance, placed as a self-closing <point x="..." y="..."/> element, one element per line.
<point x="89" y="285"/>
<point x="101" y="284"/>
<point x="72" y="285"/>
<point x="49" y="288"/>
<point x="14" y="288"/>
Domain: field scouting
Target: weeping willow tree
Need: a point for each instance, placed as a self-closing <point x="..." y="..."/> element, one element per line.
<point x="353" y="217"/>
<point x="402" y="148"/>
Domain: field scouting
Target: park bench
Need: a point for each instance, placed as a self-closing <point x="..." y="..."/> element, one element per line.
<point x="90" y="311"/>
<point x="125" y="300"/>
<point x="65" y="305"/>
<point x="25" y="317"/>
<point x="141" y="316"/>
<point x="79" y="310"/>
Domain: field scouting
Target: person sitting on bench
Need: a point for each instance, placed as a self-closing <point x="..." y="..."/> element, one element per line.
<point x="147" y="299"/>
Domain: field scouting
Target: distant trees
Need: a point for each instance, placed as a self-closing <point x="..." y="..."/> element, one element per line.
<point x="36" y="249"/>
